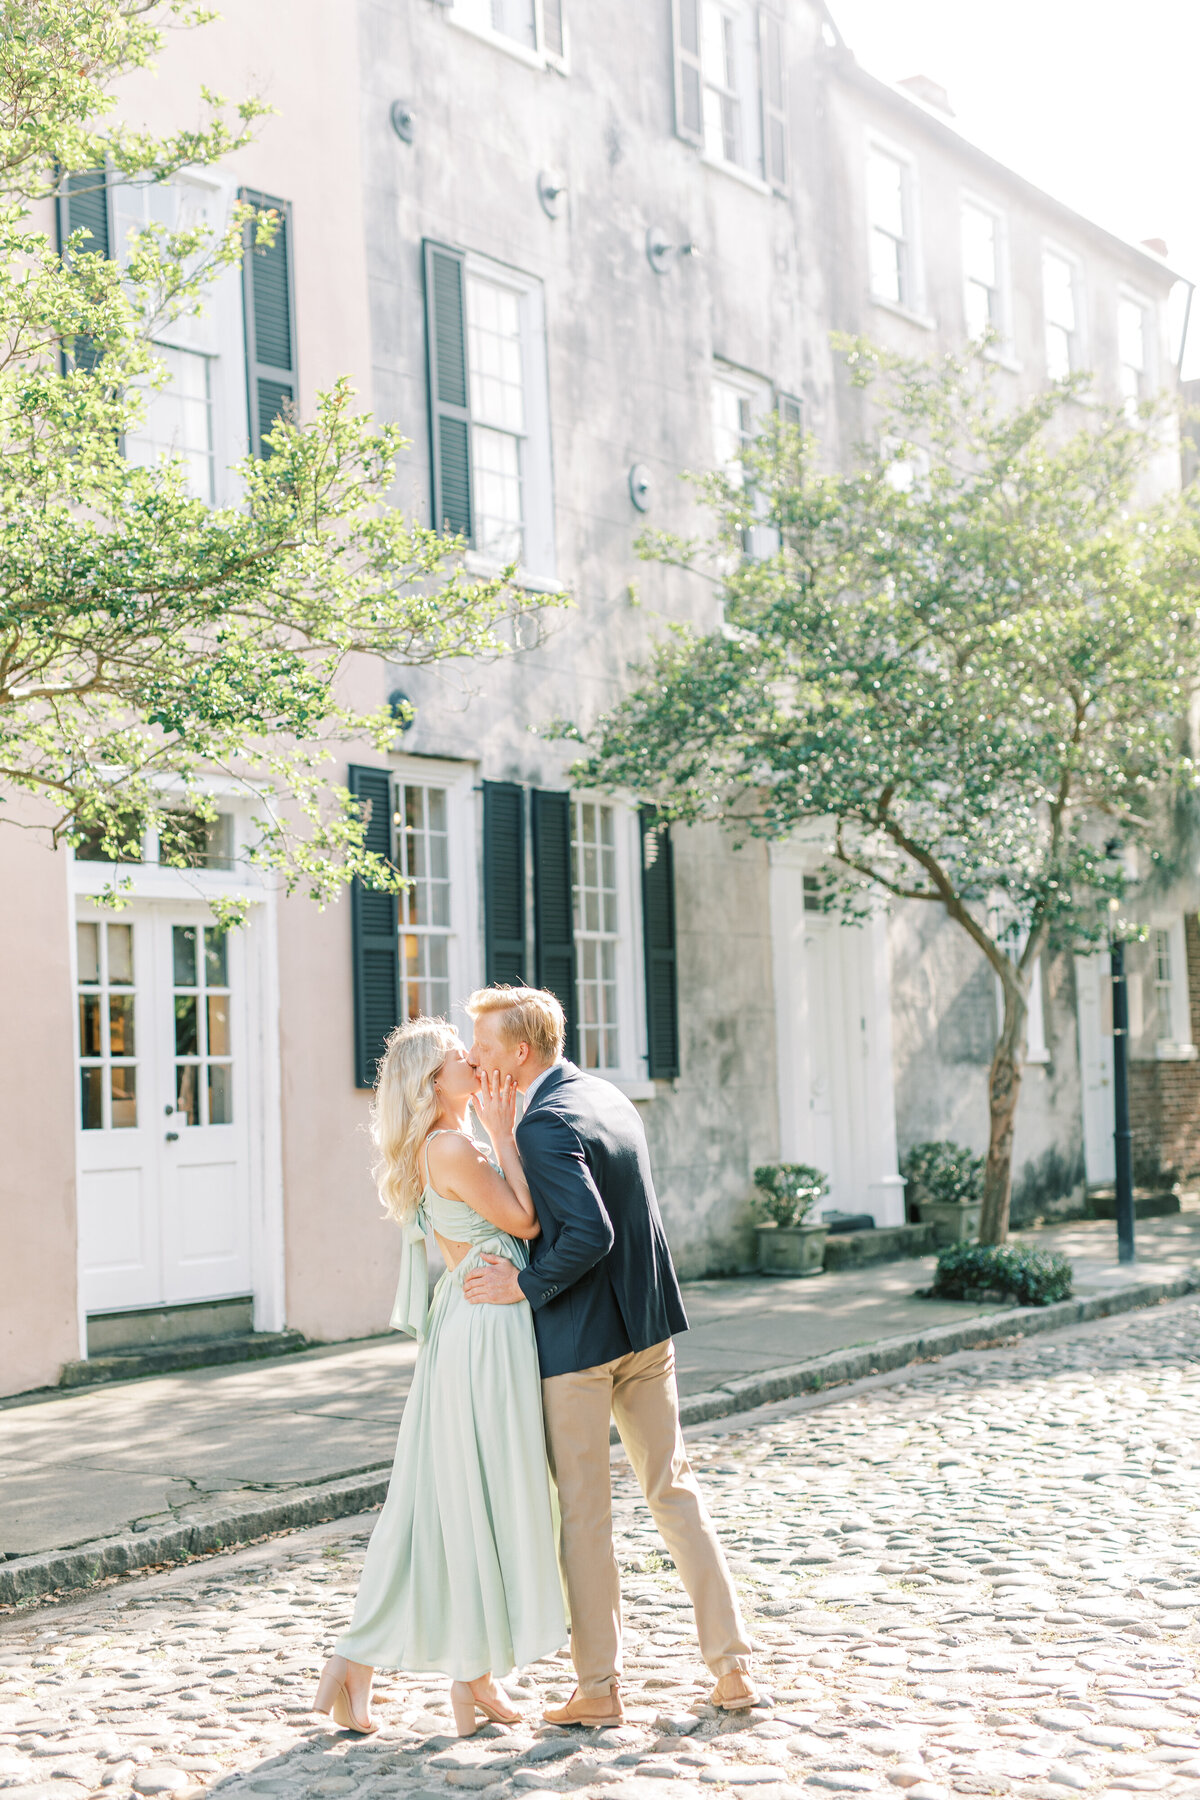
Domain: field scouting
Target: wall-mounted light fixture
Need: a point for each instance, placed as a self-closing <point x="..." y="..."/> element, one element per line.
<point x="640" y="486"/>
<point x="661" y="252"/>
<point x="401" y="709"/>
<point x="404" y="122"/>
<point x="550" y="190"/>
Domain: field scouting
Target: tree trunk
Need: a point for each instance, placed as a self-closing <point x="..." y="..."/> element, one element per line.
<point x="1004" y="1088"/>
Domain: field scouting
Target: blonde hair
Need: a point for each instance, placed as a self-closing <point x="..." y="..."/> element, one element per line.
<point x="404" y="1109"/>
<point x="526" y="1016"/>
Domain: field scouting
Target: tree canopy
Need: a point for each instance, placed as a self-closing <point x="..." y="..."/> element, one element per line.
<point x="970" y="656"/>
<point x="149" y="641"/>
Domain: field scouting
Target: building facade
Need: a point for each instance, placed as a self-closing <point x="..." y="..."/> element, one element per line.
<point x="573" y="252"/>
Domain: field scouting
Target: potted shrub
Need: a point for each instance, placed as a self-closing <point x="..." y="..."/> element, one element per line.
<point x="946" y="1182"/>
<point x="788" y="1244"/>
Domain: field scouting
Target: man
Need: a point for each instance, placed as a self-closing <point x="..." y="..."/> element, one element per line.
<point x="605" y="1302"/>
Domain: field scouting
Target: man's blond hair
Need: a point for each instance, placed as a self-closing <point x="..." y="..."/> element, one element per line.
<point x="524" y="1015"/>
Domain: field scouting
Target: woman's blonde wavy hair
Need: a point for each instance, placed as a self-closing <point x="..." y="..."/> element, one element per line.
<point x="405" y="1107"/>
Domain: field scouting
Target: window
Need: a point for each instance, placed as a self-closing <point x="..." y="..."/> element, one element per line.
<point x="1060" y="301"/>
<point x="729" y="84"/>
<point x="983" y="271"/>
<point x="203" y="1047"/>
<point x="594" y="884"/>
<point x="532" y="25"/>
<point x="1160" y="1026"/>
<point x="1161" y="1023"/>
<point x="891" y="208"/>
<point x="1133" y="352"/>
<point x="423" y="852"/>
<point x="490" y="426"/>
<point x="733" y="427"/>
<point x="107" y="1027"/>
<point x="178" y="421"/>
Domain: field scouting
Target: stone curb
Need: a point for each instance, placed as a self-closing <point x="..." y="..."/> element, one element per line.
<point x="29" y="1577"/>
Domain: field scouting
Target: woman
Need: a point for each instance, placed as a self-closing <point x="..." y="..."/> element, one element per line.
<point x="461" y="1574"/>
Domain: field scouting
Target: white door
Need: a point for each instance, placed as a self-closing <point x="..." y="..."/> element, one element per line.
<point x="164" y="1191"/>
<point x="1094" y="1009"/>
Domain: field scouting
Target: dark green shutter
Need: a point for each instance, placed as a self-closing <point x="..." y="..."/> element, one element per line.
<point x="270" y="320"/>
<point x="689" y="114"/>
<point x="553" y="902"/>
<point x="771" y="87"/>
<point x="553" y="42"/>
<point x="449" y="390"/>
<point x="374" y="932"/>
<point x="504" y="882"/>
<point x="658" y="937"/>
<point x="84" y="202"/>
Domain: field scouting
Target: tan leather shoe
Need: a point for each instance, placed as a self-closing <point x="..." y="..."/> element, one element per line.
<point x="589" y="1709"/>
<point x="735" y="1692"/>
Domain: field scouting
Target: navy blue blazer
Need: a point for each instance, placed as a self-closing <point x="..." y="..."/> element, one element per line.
<point x="600" y="1278"/>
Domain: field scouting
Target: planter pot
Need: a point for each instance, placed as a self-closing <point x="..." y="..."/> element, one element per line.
<point x="953" y="1221"/>
<point x="791" y="1249"/>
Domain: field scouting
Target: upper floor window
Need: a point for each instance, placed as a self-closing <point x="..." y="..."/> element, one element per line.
<point x="729" y="84"/>
<point x="1133" y="352"/>
<point x="490" y="426"/>
<point x="984" y="286"/>
<point x="891" y="225"/>
<point x="740" y="405"/>
<point x="533" y="25"/>
<point x="1061" y="304"/>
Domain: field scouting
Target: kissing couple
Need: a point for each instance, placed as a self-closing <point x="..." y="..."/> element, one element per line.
<point x="554" y="1316"/>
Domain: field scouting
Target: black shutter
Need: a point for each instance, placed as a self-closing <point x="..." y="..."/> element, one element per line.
<point x="689" y="113"/>
<point x="658" y="937"/>
<point x="449" y="391"/>
<point x="773" y="92"/>
<point x="504" y="882"/>
<point x="553" y="902"/>
<point x="374" y="932"/>
<point x="553" y="42"/>
<point x="270" y="319"/>
<point x="84" y="202"/>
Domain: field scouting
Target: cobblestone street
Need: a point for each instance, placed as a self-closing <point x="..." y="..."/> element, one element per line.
<point x="977" y="1577"/>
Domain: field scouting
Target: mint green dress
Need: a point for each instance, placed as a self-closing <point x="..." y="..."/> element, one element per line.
<point x="461" y="1573"/>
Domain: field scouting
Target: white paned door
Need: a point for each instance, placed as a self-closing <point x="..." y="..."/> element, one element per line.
<point x="164" y="1188"/>
<point x="1094" y="1010"/>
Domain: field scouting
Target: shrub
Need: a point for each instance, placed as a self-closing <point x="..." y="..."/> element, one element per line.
<point x="1017" y="1271"/>
<point x="787" y="1192"/>
<point x="943" y="1171"/>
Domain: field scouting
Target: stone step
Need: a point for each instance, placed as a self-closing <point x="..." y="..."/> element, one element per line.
<point x="886" y="1243"/>
<point x="1148" y="1203"/>
<point x="164" y="1359"/>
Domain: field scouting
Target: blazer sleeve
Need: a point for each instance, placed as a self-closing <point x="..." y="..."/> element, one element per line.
<point x="562" y="1187"/>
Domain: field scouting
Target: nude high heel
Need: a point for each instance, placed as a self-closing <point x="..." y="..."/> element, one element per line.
<point x="333" y="1699"/>
<point x="464" y="1701"/>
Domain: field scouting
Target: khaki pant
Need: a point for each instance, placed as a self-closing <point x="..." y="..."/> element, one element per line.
<point x="639" y="1392"/>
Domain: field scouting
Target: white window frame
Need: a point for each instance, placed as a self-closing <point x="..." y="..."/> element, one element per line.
<point x="761" y="540"/>
<point x="1177" y="1045"/>
<point x="464" y="955"/>
<point x="1079" y="337"/>
<point x="747" y="91"/>
<point x="1127" y="296"/>
<point x="538" y="565"/>
<point x="474" y="16"/>
<point x="911" y="304"/>
<point x="631" y="1074"/>
<point x="1002" y="349"/>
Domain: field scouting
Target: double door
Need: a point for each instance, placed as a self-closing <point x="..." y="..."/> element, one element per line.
<point x="161" y="1097"/>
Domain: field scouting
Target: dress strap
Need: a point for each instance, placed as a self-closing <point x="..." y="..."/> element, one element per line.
<point x="424" y="1150"/>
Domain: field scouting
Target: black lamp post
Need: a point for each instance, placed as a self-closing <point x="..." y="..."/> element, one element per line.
<point x="1122" y="1135"/>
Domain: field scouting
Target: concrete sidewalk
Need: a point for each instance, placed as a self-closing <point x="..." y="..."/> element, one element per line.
<point x="241" y="1451"/>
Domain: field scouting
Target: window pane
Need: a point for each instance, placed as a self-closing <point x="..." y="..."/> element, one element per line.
<point x="436" y="798"/>
<point x="91" y="1099"/>
<point x="515" y="19"/>
<point x="494" y="354"/>
<point x="124" y="1099"/>
<point x="183" y="938"/>
<point x="1058" y="352"/>
<point x="1059" y="290"/>
<point x="216" y="958"/>
<point x="220" y="1094"/>
<point x="186" y="1039"/>
<point x="218" y="1025"/>
<point x="885" y="193"/>
<point x="496" y="468"/>
<point x="89" y="1025"/>
<point x="979" y="309"/>
<point x="1131" y="334"/>
<point x="187" y="1092"/>
<point x="979" y="246"/>
<point x="120" y="954"/>
<point x="120" y="1024"/>
<point x="87" y="946"/>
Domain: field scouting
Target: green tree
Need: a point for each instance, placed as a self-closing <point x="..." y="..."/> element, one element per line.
<point x="146" y="639"/>
<point x="969" y="657"/>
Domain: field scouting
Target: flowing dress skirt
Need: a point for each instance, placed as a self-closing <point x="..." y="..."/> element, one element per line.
<point x="461" y="1574"/>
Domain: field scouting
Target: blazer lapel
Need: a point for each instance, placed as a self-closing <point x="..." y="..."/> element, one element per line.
<point x="553" y="1079"/>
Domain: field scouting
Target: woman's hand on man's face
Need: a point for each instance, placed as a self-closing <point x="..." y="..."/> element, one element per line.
<point x="495" y="1103"/>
